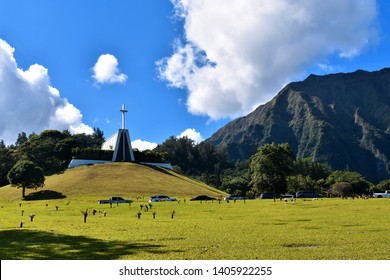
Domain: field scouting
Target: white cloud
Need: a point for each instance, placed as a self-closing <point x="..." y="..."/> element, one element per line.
<point x="238" y="54"/>
<point x="106" y="70"/>
<point x="29" y="103"/>
<point x="191" y="133"/>
<point x="143" y="145"/>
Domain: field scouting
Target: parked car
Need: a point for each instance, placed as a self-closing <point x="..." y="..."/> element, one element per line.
<point x="161" y="198"/>
<point x="114" y="199"/>
<point x="307" y="194"/>
<point x="269" y="195"/>
<point x="382" y="194"/>
<point x="235" y="197"/>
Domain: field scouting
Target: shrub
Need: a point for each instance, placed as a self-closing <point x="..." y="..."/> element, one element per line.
<point x="341" y="189"/>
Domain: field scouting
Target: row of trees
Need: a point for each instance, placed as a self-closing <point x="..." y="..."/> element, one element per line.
<point x="25" y="163"/>
<point x="202" y="161"/>
<point x="273" y="168"/>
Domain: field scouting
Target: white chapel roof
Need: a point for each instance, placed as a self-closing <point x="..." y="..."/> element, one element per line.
<point x="110" y="143"/>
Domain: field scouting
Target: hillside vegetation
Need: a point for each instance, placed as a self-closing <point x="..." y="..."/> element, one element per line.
<point x="339" y="119"/>
<point x="124" y="179"/>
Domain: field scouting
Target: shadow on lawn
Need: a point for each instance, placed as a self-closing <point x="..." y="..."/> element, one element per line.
<point x="162" y="170"/>
<point x="44" y="195"/>
<point x="40" y="245"/>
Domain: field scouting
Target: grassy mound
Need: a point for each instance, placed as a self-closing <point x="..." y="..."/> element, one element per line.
<point x="122" y="179"/>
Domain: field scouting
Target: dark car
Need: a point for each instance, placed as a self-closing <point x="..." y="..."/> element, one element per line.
<point x="269" y="195"/>
<point x="160" y="198"/>
<point x="307" y="194"/>
<point x="235" y="197"/>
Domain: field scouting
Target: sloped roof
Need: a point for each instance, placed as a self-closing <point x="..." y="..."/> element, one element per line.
<point x="110" y="143"/>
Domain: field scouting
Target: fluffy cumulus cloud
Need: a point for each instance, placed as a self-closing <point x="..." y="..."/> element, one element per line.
<point x="237" y="54"/>
<point x="106" y="70"/>
<point x="142" y="145"/>
<point x="29" y="103"/>
<point x="191" y="133"/>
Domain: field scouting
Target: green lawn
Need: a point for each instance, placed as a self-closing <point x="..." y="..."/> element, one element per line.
<point x="257" y="229"/>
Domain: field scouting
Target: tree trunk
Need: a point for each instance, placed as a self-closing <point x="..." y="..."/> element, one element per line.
<point x="23" y="192"/>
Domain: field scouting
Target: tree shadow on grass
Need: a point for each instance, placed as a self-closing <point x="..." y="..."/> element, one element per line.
<point x="162" y="170"/>
<point x="44" y="195"/>
<point x="40" y="245"/>
<point x="172" y="173"/>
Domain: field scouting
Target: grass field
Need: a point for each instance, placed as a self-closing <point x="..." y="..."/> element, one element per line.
<point x="255" y="229"/>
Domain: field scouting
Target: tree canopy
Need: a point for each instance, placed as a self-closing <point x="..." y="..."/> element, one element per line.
<point x="347" y="182"/>
<point x="26" y="175"/>
<point x="383" y="185"/>
<point x="7" y="161"/>
<point x="270" y="167"/>
<point x="273" y="168"/>
<point x="51" y="150"/>
<point x="202" y="161"/>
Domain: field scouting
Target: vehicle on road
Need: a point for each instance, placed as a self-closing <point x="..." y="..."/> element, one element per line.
<point x="114" y="199"/>
<point x="161" y="198"/>
<point x="269" y="195"/>
<point x="381" y="195"/>
<point x="235" y="197"/>
<point x="307" y="194"/>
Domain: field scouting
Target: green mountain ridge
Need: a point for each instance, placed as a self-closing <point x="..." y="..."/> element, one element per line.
<point x="341" y="119"/>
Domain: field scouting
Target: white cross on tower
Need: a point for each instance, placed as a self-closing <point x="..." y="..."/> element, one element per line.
<point x="123" y="115"/>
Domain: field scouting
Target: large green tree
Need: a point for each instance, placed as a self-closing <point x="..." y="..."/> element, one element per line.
<point x="359" y="185"/>
<point x="26" y="175"/>
<point x="22" y="138"/>
<point x="51" y="150"/>
<point x="270" y="167"/>
<point x="308" y="167"/>
<point x="202" y="161"/>
<point x="301" y="182"/>
<point x="383" y="185"/>
<point x="181" y="152"/>
<point x="7" y="161"/>
<point x="41" y="149"/>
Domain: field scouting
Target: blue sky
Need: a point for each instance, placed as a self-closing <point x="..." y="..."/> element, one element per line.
<point x="178" y="65"/>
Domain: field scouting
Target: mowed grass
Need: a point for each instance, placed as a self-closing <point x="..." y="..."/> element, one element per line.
<point x="117" y="179"/>
<point x="255" y="229"/>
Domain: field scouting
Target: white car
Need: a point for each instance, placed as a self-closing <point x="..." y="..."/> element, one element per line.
<point x="160" y="198"/>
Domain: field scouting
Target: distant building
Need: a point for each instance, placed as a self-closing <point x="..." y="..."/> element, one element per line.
<point x="120" y="144"/>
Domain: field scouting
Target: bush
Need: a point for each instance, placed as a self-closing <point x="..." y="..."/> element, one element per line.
<point x="383" y="186"/>
<point x="92" y="153"/>
<point x="341" y="189"/>
<point x="149" y="156"/>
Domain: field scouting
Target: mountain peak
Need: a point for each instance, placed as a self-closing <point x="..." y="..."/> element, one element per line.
<point x="341" y="119"/>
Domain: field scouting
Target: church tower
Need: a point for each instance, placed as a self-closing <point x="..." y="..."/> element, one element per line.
<point x="123" y="150"/>
<point x="120" y="142"/>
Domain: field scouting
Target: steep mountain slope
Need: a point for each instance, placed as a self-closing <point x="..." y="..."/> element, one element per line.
<point x="341" y="119"/>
